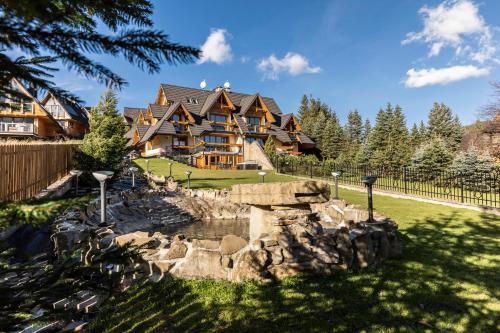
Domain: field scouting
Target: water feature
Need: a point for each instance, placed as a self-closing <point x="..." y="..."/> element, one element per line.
<point x="209" y="229"/>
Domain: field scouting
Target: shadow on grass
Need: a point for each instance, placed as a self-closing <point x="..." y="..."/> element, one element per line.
<point x="446" y="281"/>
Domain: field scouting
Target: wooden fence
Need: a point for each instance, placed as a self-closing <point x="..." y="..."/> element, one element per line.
<point x="27" y="168"/>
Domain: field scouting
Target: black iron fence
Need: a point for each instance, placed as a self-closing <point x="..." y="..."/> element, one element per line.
<point x="476" y="187"/>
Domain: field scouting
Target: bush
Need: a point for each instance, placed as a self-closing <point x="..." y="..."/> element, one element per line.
<point x="477" y="170"/>
<point x="432" y="158"/>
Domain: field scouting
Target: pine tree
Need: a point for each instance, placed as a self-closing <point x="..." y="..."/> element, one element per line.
<point x="422" y="129"/>
<point x="367" y="128"/>
<point x="104" y="146"/>
<point x="303" y="113"/>
<point x="332" y="138"/>
<point x="270" y="148"/>
<point x="377" y="140"/>
<point x="397" y="150"/>
<point x="354" y="128"/>
<point x="69" y="30"/>
<point x="442" y="124"/>
<point x="432" y="157"/>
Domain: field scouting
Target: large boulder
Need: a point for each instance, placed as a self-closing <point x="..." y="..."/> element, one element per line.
<point x="177" y="250"/>
<point x="202" y="264"/>
<point x="289" y="193"/>
<point x="231" y="244"/>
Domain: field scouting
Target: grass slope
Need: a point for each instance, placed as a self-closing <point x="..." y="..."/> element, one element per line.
<point x="446" y="281"/>
<point x="204" y="178"/>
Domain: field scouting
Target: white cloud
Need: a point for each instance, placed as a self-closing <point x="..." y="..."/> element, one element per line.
<point x="216" y="48"/>
<point x="456" y="24"/>
<point x="426" y="77"/>
<point x="293" y="63"/>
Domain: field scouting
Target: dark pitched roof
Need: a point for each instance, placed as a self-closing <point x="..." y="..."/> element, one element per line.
<point x="305" y="139"/>
<point x="279" y="134"/>
<point x="210" y="101"/>
<point x="285" y="119"/>
<point x="166" y="128"/>
<point x="158" y="110"/>
<point x="142" y="129"/>
<point x="199" y="129"/>
<point x="172" y="109"/>
<point x="130" y="133"/>
<point x="246" y="102"/>
<point x="132" y="113"/>
<point x="241" y="124"/>
<point x="179" y="94"/>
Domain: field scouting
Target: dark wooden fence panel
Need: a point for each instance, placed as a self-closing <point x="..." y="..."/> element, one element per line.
<point x="28" y="168"/>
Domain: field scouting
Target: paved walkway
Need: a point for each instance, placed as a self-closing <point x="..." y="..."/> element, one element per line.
<point x="482" y="209"/>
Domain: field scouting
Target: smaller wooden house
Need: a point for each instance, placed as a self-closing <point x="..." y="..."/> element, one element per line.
<point x="27" y="118"/>
<point x="70" y="115"/>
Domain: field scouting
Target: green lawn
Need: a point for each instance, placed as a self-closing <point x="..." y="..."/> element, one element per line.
<point x="204" y="178"/>
<point x="447" y="281"/>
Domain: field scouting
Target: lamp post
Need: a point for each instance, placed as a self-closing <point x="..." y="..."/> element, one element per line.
<point x="336" y="175"/>
<point x="133" y="170"/>
<point x="188" y="174"/>
<point x="369" y="181"/>
<point x="76" y="173"/>
<point x="262" y="174"/>
<point x="170" y="169"/>
<point x="147" y="166"/>
<point x="102" y="176"/>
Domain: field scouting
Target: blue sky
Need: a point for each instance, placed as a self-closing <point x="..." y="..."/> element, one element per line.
<point x="351" y="54"/>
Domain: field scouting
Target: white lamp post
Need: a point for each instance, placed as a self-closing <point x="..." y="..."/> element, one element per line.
<point x="188" y="174"/>
<point x="133" y="170"/>
<point x="262" y="174"/>
<point x="147" y="166"/>
<point x="336" y="175"/>
<point x="76" y="173"/>
<point x="102" y="176"/>
<point x="170" y="169"/>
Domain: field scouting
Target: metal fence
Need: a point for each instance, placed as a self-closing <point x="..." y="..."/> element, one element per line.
<point x="477" y="188"/>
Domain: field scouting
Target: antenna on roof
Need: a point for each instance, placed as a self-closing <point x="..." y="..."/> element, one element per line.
<point x="203" y="84"/>
<point x="227" y="86"/>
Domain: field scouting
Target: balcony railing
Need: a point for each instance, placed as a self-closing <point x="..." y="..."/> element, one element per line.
<point x="257" y="128"/>
<point x="17" y="128"/>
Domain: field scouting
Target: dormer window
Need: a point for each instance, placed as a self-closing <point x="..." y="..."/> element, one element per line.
<point x="176" y="117"/>
<point x="190" y="100"/>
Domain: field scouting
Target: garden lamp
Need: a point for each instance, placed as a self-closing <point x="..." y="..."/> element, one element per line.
<point x="336" y="175"/>
<point x="147" y="166"/>
<point x="188" y="174"/>
<point x="133" y="170"/>
<point x="262" y="174"/>
<point x="369" y="181"/>
<point x="102" y="176"/>
<point x="76" y="173"/>
<point x="170" y="169"/>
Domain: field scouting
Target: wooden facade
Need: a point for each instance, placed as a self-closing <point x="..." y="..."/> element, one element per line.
<point x="211" y="127"/>
<point x="27" y="118"/>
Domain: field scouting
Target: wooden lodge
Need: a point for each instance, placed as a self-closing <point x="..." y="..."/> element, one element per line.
<point x="31" y="118"/>
<point x="212" y="129"/>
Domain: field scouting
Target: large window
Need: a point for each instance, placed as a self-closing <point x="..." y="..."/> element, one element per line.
<point x="218" y="118"/>
<point x="215" y="139"/>
<point x="8" y="124"/>
<point x="259" y="140"/>
<point x="176" y="117"/>
<point x="253" y="124"/>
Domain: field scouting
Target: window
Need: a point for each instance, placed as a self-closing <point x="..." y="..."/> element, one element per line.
<point x="190" y="100"/>
<point x="179" y="142"/>
<point x="8" y="124"/>
<point x="253" y="121"/>
<point x="176" y="117"/>
<point x="215" y="139"/>
<point x="218" y="118"/>
<point x="259" y="140"/>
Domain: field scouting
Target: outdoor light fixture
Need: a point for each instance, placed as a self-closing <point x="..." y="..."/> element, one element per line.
<point x="336" y="175"/>
<point x="170" y="169"/>
<point x="262" y="174"/>
<point x="102" y="176"/>
<point x="147" y="166"/>
<point x="369" y="181"/>
<point x="76" y="173"/>
<point x="188" y="174"/>
<point x="133" y="170"/>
